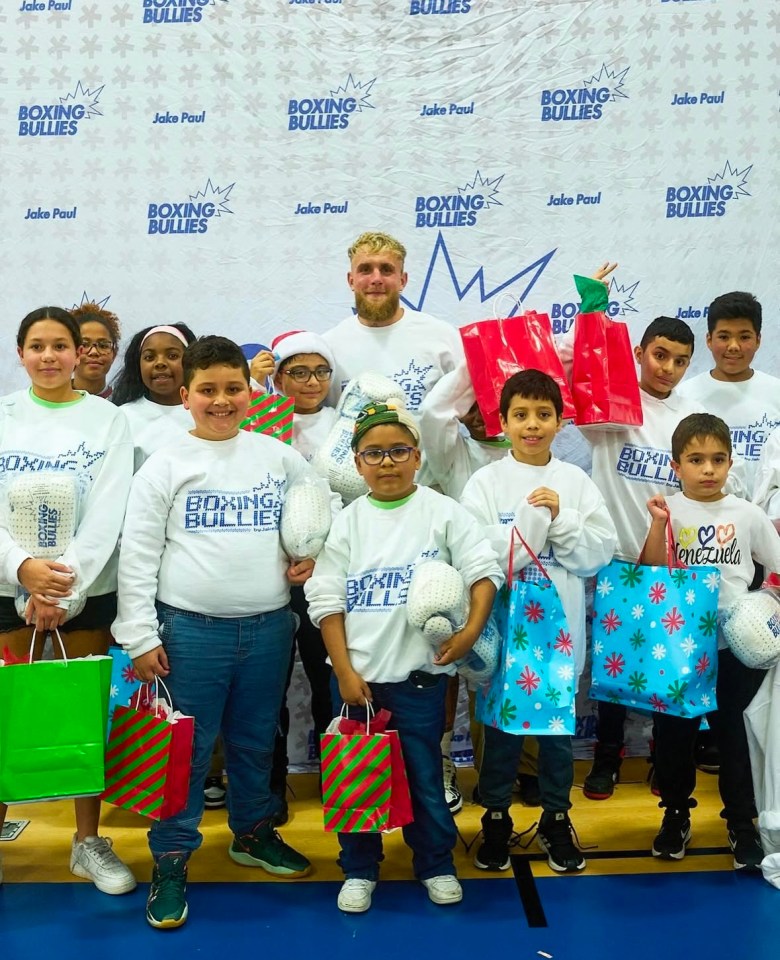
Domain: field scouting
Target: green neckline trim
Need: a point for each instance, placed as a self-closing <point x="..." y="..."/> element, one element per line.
<point x="56" y="406"/>
<point x="390" y="504"/>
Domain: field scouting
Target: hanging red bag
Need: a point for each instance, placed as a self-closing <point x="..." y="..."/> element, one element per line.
<point x="495" y="349"/>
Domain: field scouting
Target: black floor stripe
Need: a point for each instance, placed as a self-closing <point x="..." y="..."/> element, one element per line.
<point x="526" y="887"/>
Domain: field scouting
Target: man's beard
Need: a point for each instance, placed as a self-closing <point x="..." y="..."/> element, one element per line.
<point x="377" y="314"/>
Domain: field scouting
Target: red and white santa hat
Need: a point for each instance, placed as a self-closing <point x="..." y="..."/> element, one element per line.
<point x="291" y="344"/>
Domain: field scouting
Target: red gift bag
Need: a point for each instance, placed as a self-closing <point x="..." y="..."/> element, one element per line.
<point x="148" y="760"/>
<point x="495" y="349"/>
<point x="604" y="381"/>
<point x="271" y="414"/>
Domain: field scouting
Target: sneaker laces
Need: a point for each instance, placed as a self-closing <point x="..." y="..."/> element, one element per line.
<point x="515" y="838"/>
<point x="571" y="835"/>
<point x="100" y="849"/>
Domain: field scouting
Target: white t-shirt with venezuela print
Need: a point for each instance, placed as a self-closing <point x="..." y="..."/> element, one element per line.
<point x="729" y="534"/>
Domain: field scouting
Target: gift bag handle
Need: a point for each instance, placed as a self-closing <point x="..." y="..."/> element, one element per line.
<point x="671" y="560"/>
<point x="59" y="640"/>
<point x="510" y="574"/>
<point x="344" y="712"/>
<point x="158" y="682"/>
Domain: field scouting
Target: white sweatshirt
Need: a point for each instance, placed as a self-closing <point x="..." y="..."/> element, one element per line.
<point x="575" y="545"/>
<point x="154" y="425"/>
<point x="414" y="352"/>
<point x="88" y="438"/>
<point x="751" y="408"/>
<point x="364" y="571"/>
<point x="766" y="490"/>
<point x="202" y="533"/>
<point x="310" y="430"/>
<point x="631" y="464"/>
<point x="729" y="534"/>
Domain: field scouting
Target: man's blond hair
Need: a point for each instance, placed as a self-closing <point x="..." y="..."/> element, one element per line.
<point x="375" y="242"/>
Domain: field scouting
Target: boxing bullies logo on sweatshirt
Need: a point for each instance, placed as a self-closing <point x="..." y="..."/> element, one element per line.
<point x="710" y="199"/>
<point x="585" y="102"/>
<point x="376" y="590"/>
<point x="621" y="305"/>
<point x="646" y="465"/>
<point x="748" y="439"/>
<point x="458" y="209"/>
<point x="256" y="510"/>
<point x="175" y="11"/>
<point x="79" y="460"/>
<point x="190" y="216"/>
<point x="335" y="112"/>
<point x="60" y="119"/>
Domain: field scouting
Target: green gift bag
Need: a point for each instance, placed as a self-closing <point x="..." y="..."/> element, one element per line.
<point x="53" y="717"/>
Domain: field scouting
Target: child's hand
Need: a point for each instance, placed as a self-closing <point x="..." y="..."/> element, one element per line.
<point x="45" y="577"/>
<point x="354" y="690"/>
<point x="604" y="271"/>
<point x="544" y="497"/>
<point x="300" y="571"/>
<point x="44" y="613"/>
<point x="456" y="647"/>
<point x="262" y="366"/>
<point x="657" y="508"/>
<point x="152" y="664"/>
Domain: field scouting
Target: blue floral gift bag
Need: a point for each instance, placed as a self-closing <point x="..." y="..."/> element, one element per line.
<point x="533" y="689"/>
<point x="655" y="637"/>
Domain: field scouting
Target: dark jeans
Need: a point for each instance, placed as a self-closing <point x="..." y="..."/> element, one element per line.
<point x="313" y="657"/>
<point x="500" y="758"/>
<point x="418" y="716"/>
<point x="676" y="737"/>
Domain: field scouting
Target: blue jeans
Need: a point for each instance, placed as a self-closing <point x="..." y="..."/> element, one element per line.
<point x="228" y="673"/>
<point x="418" y="716"/>
<point x="499" y="767"/>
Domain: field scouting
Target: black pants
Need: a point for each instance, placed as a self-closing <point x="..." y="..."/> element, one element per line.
<point x="676" y="737"/>
<point x="313" y="657"/>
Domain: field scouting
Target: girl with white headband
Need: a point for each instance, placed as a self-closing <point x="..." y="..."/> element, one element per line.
<point x="148" y="387"/>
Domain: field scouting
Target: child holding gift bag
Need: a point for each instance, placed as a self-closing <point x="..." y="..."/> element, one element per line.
<point x="202" y="539"/>
<point x="710" y="527"/>
<point x="83" y="445"/>
<point x="357" y="597"/>
<point x="563" y="519"/>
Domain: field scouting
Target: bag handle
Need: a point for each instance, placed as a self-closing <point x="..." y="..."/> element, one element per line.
<point x="158" y="682"/>
<point x="344" y="712"/>
<point x="59" y="640"/>
<point x="672" y="562"/>
<point x="531" y="554"/>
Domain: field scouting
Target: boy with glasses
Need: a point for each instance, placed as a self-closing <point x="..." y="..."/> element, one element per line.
<point x="357" y="596"/>
<point x="99" y="345"/>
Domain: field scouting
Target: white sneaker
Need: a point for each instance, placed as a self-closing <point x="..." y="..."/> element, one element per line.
<point x="452" y="794"/>
<point x="444" y="889"/>
<point x="93" y="859"/>
<point x="355" y="895"/>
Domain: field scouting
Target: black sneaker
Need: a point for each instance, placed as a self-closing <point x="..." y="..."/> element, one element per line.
<point x="674" y="835"/>
<point x="493" y="853"/>
<point x="605" y="772"/>
<point x="214" y="793"/>
<point x="527" y="788"/>
<point x="555" y="837"/>
<point x="263" y="847"/>
<point x="166" y="906"/>
<point x="746" y="844"/>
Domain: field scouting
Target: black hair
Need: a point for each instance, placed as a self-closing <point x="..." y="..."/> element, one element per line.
<point x="532" y="384"/>
<point x="670" y="327"/>
<point x="212" y="351"/>
<point x="735" y="306"/>
<point x="699" y="425"/>
<point x="49" y="313"/>
<point x="128" y="385"/>
<point x="90" y="312"/>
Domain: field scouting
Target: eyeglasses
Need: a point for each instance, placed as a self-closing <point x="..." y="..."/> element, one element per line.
<point x="397" y="454"/>
<point x="102" y="346"/>
<point x="304" y="374"/>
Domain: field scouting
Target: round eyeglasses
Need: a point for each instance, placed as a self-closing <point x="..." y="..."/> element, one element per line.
<point x="304" y="374"/>
<point x="397" y="454"/>
<point x="102" y="346"/>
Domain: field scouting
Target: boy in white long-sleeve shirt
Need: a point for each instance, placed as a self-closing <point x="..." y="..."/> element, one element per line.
<point x="565" y="522"/>
<point x="201" y="539"/>
<point x="357" y="597"/>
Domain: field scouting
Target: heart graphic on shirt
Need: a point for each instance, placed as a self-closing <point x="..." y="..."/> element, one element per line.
<point x="725" y="533"/>
<point x="706" y="534"/>
<point x="686" y="537"/>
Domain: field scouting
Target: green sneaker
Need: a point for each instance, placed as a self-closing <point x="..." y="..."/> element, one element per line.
<point x="263" y="847"/>
<point x="166" y="907"/>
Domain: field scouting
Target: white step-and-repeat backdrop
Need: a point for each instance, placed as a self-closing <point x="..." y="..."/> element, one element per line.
<point x="211" y="160"/>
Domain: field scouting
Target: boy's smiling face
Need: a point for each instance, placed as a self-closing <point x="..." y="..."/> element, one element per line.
<point x="531" y="426"/>
<point x="388" y="480"/>
<point x="218" y="399"/>
<point x="310" y="394"/>
<point x="662" y="365"/>
<point x="733" y="344"/>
